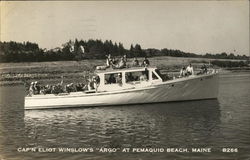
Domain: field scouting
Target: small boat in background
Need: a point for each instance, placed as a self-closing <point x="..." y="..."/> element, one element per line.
<point x="136" y="85"/>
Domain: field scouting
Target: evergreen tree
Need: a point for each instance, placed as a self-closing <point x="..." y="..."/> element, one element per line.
<point x="28" y="51"/>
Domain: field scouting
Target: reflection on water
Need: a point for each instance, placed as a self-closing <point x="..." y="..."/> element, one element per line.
<point x="207" y="123"/>
<point x="126" y="126"/>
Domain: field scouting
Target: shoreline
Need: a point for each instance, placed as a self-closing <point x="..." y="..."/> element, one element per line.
<point x="79" y="71"/>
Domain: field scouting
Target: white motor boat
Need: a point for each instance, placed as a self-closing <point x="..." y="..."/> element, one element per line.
<point x="132" y="86"/>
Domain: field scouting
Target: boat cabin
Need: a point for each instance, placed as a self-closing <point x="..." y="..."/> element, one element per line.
<point x="127" y="78"/>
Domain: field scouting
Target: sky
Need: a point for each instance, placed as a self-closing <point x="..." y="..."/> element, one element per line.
<point x="191" y="26"/>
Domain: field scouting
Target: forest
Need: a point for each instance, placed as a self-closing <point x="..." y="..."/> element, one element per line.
<point x="92" y="49"/>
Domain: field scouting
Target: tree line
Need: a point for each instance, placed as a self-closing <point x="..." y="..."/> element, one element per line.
<point x="90" y="49"/>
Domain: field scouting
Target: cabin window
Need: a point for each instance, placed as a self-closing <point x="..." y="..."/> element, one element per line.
<point x="154" y="77"/>
<point x="159" y="73"/>
<point x="113" y="78"/>
<point x="136" y="76"/>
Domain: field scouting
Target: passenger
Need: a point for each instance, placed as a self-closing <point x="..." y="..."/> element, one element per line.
<point x="53" y="90"/>
<point x="130" y="77"/>
<point x="190" y="70"/>
<point x="37" y="88"/>
<point x="31" y="89"/>
<point x="97" y="79"/>
<point x="96" y="82"/>
<point x="122" y="63"/>
<point x="204" y="69"/>
<point x="135" y="62"/>
<point x="119" y="79"/>
<point x="183" y="72"/>
<point x="72" y="87"/>
<point x="113" y="61"/>
<point x="60" y="87"/>
<point x="111" y="79"/>
<point x="92" y="84"/>
<point x="48" y="89"/>
<point x="110" y="63"/>
<point x="56" y="89"/>
<point x="79" y="87"/>
<point x="61" y="83"/>
<point x="67" y="88"/>
<point x="108" y="60"/>
<point x="143" y="77"/>
<point x="145" y="62"/>
<point x="42" y="90"/>
<point x="125" y="58"/>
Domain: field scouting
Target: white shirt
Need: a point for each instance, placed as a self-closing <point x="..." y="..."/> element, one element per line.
<point x="190" y="69"/>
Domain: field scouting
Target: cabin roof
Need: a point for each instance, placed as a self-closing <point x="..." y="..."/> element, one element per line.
<point x="131" y="69"/>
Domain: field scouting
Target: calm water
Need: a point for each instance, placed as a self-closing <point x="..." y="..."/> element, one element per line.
<point x="210" y="123"/>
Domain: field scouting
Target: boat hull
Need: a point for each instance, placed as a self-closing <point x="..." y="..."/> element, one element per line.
<point x="182" y="89"/>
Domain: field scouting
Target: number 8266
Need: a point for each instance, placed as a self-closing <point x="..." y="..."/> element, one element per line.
<point x="230" y="150"/>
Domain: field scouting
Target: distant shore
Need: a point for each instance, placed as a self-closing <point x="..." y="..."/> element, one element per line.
<point x="79" y="71"/>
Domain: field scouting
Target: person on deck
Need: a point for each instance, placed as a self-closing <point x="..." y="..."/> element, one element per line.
<point x="183" y="72"/>
<point x="135" y="62"/>
<point x="190" y="69"/>
<point x="37" y="88"/>
<point x="108" y="60"/>
<point x="31" y="89"/>
<point x="125" y="58"/>
<point x="48" y="89"/>
<point x="91" y="84"/>
<point x="121" y="64"/>
<point x="204" y="69"/>
<point x="145" y="62"/>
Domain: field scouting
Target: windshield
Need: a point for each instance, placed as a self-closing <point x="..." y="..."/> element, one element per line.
<point x="159" y="73"/>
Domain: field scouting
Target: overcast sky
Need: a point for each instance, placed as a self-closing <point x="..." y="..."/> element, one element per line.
<point x="192" y="26"/>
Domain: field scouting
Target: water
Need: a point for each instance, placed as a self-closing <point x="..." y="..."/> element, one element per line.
<point x="209" y="123"/>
